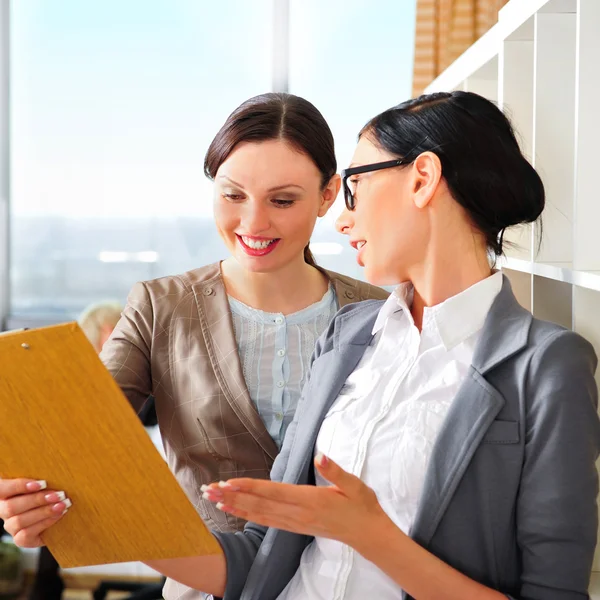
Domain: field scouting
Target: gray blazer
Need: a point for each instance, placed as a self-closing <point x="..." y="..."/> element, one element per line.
<point x="510" y="492"/>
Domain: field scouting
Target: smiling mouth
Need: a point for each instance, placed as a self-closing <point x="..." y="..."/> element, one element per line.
<point x="257" y="246"/>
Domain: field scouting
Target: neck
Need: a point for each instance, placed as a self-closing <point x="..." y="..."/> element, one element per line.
<point x="287" y="290"/>
<point x="443" y="275"/>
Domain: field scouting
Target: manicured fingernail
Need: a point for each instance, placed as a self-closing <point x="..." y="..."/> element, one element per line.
<point x="203" y="487"/>
<point x="62" y="506"/>
<point x="212" y="495"/>
<point x="36" y="486"/>
<point x="228" y="486"/>
<point x="321" y="459"/>
<point x="55" y="497"/>
<point x="220" y="505"/>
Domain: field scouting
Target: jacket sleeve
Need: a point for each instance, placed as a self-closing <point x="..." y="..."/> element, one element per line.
<point x="556" y="516"/>
<point x="126" y="354"/>
<point x="241" y="548"/>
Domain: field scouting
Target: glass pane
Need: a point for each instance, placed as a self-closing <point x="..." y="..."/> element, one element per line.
<point x="113" y="106"/>
<point x="352" y="59"/>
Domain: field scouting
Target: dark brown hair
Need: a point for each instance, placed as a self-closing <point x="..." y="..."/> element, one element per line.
<point x="276" y="116"/>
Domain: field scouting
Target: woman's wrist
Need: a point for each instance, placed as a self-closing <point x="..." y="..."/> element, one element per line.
<point x="377" y="535"/>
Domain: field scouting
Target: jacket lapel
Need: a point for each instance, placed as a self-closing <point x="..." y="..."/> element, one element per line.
<point x="327" y="377"/>
<point x="472" y="412"/>
<point x="217" y="328"/>
<point x="475" y="407"/>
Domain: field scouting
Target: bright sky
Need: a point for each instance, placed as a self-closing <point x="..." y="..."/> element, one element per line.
<point x="114" y="102"/>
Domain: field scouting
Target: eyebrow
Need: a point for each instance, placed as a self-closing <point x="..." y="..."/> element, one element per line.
<point x="273" y="189"/>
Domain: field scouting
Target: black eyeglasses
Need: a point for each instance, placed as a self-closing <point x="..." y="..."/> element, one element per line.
<point x="348" y="193"/>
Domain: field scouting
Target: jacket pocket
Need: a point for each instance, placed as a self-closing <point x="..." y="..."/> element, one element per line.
<point x="502" y="432"/>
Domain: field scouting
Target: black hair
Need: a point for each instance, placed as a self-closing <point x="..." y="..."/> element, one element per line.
<point x="482" y="164"/>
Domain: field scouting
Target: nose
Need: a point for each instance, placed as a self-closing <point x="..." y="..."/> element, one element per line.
<point x="343" y="224"/>
<point x="256" y="218"/>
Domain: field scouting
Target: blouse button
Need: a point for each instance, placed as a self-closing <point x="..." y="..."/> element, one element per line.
<point x="279" y="320"/>
<point x="207" y="291"/>
<point x="280" y="384"/>
<point x="279" y="416"/>
<point x="281" y="352"/>
<point x="349" y="294"/>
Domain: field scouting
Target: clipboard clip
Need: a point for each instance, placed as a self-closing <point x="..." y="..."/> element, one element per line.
<point x="24" y="345"/>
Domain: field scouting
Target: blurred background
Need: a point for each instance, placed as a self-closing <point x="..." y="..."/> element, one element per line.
<point x="114" y="103"/>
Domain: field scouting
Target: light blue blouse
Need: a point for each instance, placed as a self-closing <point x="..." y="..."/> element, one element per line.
<point x="275" y="351"/>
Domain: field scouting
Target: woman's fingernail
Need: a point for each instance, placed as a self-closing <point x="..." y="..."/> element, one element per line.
<point x="212" y="495"/>
<point x="203" y="487"/>
<point x="321" y="459"/>
<point x="62" y="506"/>
<point x="55" y="497"/>
<point x="226" y="485"/>
<point x="36" y="486"/>
<point x="220" y="505"/>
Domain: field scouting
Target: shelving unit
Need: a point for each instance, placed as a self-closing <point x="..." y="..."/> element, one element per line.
<point x="541" y="64"/>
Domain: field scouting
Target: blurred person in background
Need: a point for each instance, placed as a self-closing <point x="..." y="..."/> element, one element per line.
<point x="98" y="321"/>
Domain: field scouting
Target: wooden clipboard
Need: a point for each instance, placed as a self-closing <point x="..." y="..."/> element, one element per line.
<point x="64" y="419"/>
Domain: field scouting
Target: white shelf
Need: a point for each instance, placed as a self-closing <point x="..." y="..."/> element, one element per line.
<point x="513" y="23"/>
<point x="563" y="272"/>
<point x="540" y="64"/>
<point x="482" y="52"/>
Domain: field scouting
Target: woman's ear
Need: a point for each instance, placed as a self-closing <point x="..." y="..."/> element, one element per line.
<point x="427" y="172"/>
<point x="329" y="194"/>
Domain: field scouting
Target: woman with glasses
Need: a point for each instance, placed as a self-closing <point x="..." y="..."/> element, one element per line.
<point x="445" y="443"/>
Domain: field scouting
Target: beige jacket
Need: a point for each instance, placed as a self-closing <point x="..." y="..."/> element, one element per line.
<point x="175" y="341"/>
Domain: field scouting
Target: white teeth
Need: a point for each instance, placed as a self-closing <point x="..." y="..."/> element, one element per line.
<point x="359" y="245"/>
<point x="256" y="244"/>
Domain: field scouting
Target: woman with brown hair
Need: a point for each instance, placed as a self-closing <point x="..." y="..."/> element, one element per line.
<point x="225" y="349"/>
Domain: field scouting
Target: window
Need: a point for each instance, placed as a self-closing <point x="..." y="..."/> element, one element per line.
<point x="113" y="105"/>
<point x="352" y="59"/>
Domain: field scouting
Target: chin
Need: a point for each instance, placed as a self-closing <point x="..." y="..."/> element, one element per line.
<point x="380" y="277"/>
<point x="257" y="265"/>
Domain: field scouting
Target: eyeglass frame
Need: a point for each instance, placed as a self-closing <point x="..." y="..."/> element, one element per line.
<point x="349" y="198"/>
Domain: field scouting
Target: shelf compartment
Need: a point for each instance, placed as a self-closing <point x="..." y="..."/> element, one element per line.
<point x="521" y="284"/>
<point x="484" y="81"/>
<point x="553" y="301"/>
<point x="515" y="98"/>
<point x="554" y="131"/>
<point x="587" y="208"/>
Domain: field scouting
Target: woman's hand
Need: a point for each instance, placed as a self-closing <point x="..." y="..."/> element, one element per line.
<point x="28" y="509"/>
<point x="346" y="511"/>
